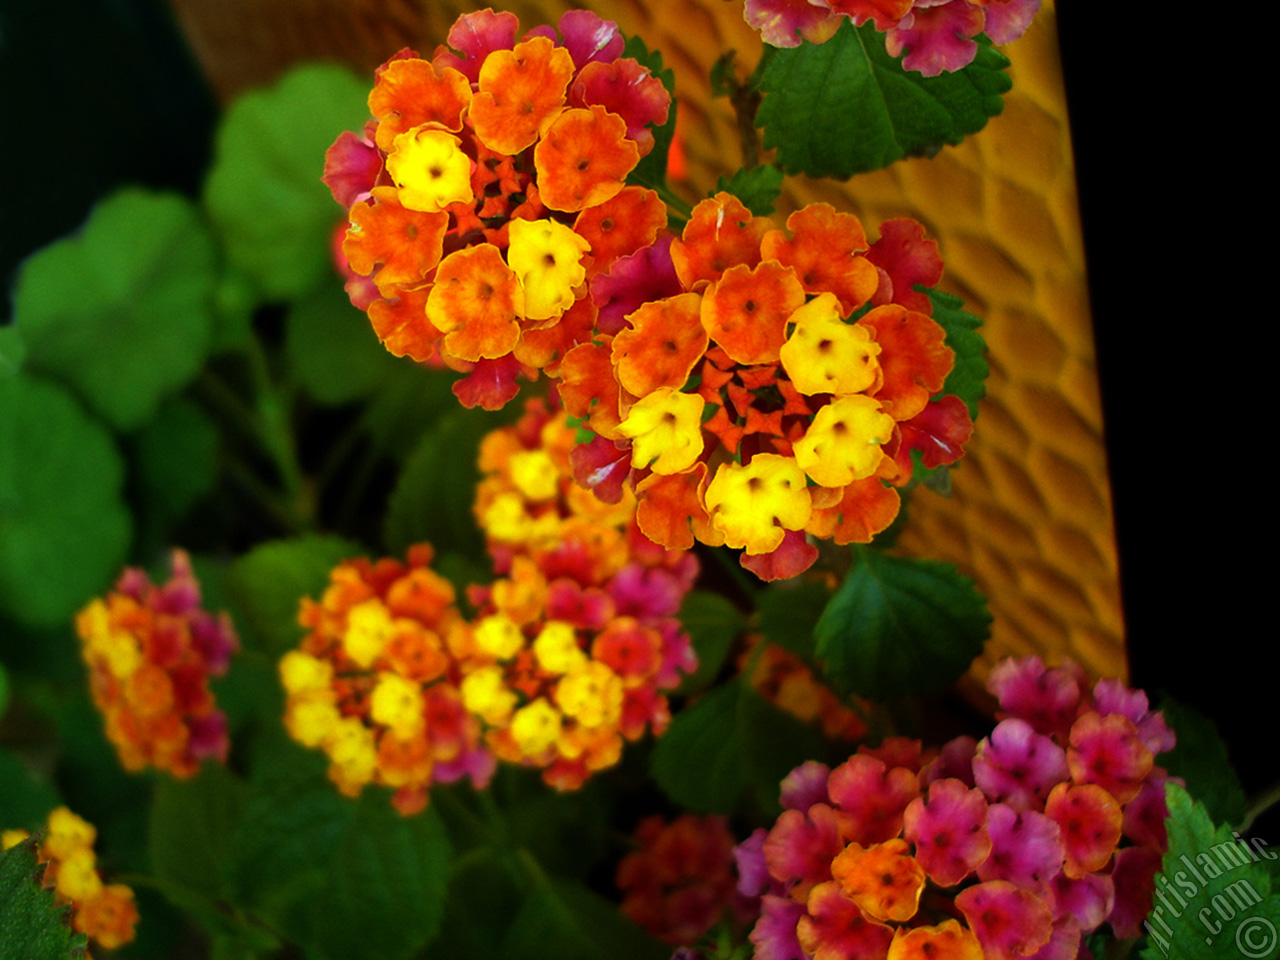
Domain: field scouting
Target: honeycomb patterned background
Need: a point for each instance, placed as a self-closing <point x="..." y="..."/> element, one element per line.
<point x="1030" y="513"/>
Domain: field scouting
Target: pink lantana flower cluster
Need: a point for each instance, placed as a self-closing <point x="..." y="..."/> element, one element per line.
<point x="936" y="36"/>
<point x="1012" y="848"/>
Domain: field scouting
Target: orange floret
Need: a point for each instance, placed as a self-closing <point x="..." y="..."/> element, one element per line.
<point x="866" y="507"/>
<point x="620" y="226"/>
<point x="406" y="242"/>
<point x="884" y="880"/>
<point x="746" y="310"/>
<point x="670" y="509"/>
<point x="583" y="159"/>
<point x="825" y="252"/>
<point x="661" y="346"/>
<point x="402" y="325"/>
<point x="588" y="388"/>
<point x="720" y="233"/>
<point x="477" y="302"/>
<point x="520" y="92"/>
<point x="412" y="92"/>
<point x="914" y="358"/>
<point x="946" y="941"/>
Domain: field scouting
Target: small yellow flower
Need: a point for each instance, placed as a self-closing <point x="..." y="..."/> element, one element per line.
<point x="754" y="505"/>
<point x="843" y="443"/>
<point x="498" y="636"/>
<point x="547" y="257"/>
<point x="430" y="169"/>
<point x="591" y="694"/>
<point x="826" y="355"/>
<point x="312" y="718"/>
<point x="485" y="693"/>
<point x="665" y="428"/>
<point x="535" y="727"/>
<point x="534" y="473"/>
<point x="302" y="673"/>
<point x="368" y="630"/>
<point x="557" y="648"/>
<point x="397" y="703"/>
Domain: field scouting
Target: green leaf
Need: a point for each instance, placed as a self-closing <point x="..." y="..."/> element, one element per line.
<point x="730" y="741"/>
<point x="1216" y="898"/>
<point x="900" y="627"/>
<point x="967" y="379"/>
<point x="1200" y="758"/>
<point x="264" y="193"/>
<point x="25" y="801"/>
<point x="651" y="171"/>
<point x="333" y="350"/>
<point x="12" y="350"/>
<point x="345" y="878"/>
<point x="433" y="497"/>
<point x="32" y="926"/>
<point x="66" y="529"/>
<point x="788" y="611"/>
<point x="191" y="828"/>
<point x="267" y="584"/>
<point x="757" y="188"/>
<point x="123" y="311"/>
<point x="713" y="623"/>
<point x="845" y="106"/>
<point x="177" y="455"/>
<point x="563" y="920"/>
<point x="4" y="691"/>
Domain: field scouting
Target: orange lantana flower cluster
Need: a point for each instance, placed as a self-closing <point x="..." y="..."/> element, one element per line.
<point x="742" y="404"/>
<point x="104" y="912"/>
<point x="151" y="651"/>
<point x="490" y="186"/>
<point x="562" y="662"/>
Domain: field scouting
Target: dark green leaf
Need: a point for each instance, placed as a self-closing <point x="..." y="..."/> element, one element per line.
<point x="758" y="188"/>
<point x="264" y="193"/>
<point x="123" y="311"/>
<point x="333" y="350"/>
<point x="4" y="691"/>
<point x="900" y="627"/>
<point x="787" y="612"/>
<point x="713" y="623"/>
<point x="433" y="497"/>
<point x="32" y="926"/>
<point x="410" y="402"/>
<point x="651" y="171"/>
<point x="1224" y="904"/>
<point x="66" y="529"/>
<point x="191" y="828"/>
<point x="563" y="920"/>
<point x="268" y="582"/>
<point x="1200" y="758"/>
<point x="967" y="379"/>
<point x="730" y="741"/>
<point x="177" y="457"/>
<point x="845" y="106"/>
<point x="25" y="801"/>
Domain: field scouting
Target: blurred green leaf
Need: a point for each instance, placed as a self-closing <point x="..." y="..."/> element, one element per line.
<point x="758" y="188"/>
<point x="713" y="623"/>
<point x="334" y="352"/>
<point x="122" y="311"/>
<point x="788" y="610"/>
<point x="651" y="171"/>
<point x="192" y="826"/>
<point x="177" y="456"/>
<point x="264" y="193"/>
<point x="1200" y="758"/>
<point x="12" y="350"/>
<point x="845" y="106"/>
<point x="25" y="800"/>
<point x="563" y="920"/>
<point x="4" y="690"/>
<point x="433" y="497"/>
<point x="967" y="379"/>
<point x="267" y="583"/>
<point x="66" y="529"/>
<point x="900" y="627"/>
<point x="730" y="741"/>
<point x="32" y="926"/>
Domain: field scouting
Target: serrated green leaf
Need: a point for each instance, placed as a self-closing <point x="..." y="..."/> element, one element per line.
<point x="757" y="188"/>
<point x="123" y="311"/>
<point x="1200" y="758"/>
<point x="433" y="497"/>
<point x="651" y="171"/>
<point x="333" y="350"/>
<point x="32" y="926"/>
<point x="788" y="611"/>
<point x="66" y="529"/>
<point x="967" y="379"/>
<point x="191" y="828"/>
<point x="728" y="742"/>
<point x="267" y="584"/>
<point x="264" y="193"/>
<point x="713" y="623"/>
<point x="845" y="106"/>
<point x="900" y="627"/>
<point x="1217" y="897"/>
<point x="177" y="457"/>
<point x="344" y="878"/>
<point x="563" y="920"/>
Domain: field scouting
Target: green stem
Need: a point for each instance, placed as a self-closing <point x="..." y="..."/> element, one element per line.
<point x="1260" y="805"/>
<point x="275" y="433"/>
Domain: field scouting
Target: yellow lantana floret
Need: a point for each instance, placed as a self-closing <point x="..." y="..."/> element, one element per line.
<point x="67" y="832"/>
<point x="498" y="636"/>
<point x="843" y="443"/>
<point x="368" y="630"/>
<point x="535" y="727"/>
<point x="665" y="428"/>
<point x="78" y="877"/>
<point x="354" y="754"/>
<point x="301" y="673"/>
<point x="486" y="694"/>
<point x="547" y="257"/>
<point x="826" y="355"/>
<point x="557" y="648"/>
<point x="312" y="718"/>
<point x="534" y="473"/>
<point x="430" y="169"/>
<point x="397" y="703"/>
<point x="754" y="505"/>
<point x="591" y="694"/>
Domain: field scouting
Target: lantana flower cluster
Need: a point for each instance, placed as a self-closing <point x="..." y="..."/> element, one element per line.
<point x="150" y="651"/>
<point x="105" y="913"/>
<point x="728" y="387"/>
<point x="787" y="682"/>
<point x="1012" y="848"/>
<point x="936" y="36"/>
<point x="489" y="186"/>
<point x="563" y="661"/>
